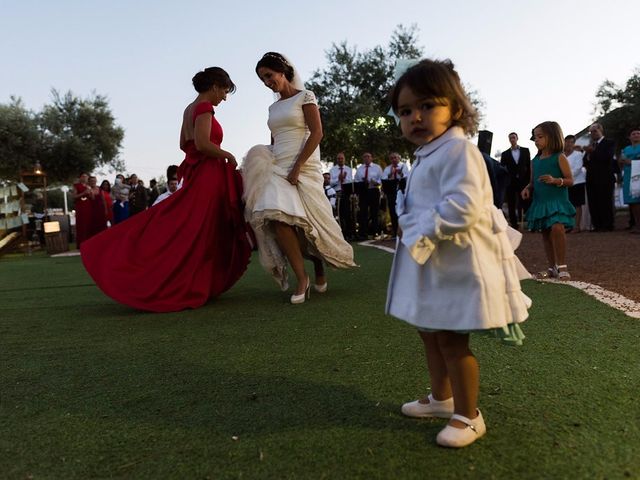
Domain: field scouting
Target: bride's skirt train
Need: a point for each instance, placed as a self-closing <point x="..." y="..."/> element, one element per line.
<point x="269" y="198"/>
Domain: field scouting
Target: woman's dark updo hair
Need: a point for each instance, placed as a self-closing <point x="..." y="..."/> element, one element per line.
<point x="276" y="62"/>
<point x="204" y="80"/>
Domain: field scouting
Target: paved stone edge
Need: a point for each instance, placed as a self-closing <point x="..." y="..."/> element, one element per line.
<point x="613" y="299"/>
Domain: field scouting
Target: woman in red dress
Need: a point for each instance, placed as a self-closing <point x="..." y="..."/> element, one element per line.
<point x="105" y="190"/>
<point x="192" y="246"/>
<point x="97" y="213"/>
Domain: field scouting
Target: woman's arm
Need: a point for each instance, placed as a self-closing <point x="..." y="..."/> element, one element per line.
<point x="204" y="144"/>
<point x="312" y="119"/>
<point x="183" y="140"/>
<point x="85" y="193"/>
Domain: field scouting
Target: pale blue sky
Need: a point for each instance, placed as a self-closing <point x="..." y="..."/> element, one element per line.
<point x="530" y="61"/>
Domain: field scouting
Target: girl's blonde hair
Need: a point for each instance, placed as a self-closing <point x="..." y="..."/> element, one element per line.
<point x="553" y="132"/>
<point x="437" y="79"/>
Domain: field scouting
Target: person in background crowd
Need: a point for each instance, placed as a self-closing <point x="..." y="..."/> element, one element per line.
<point x="601" y="169"/>
<point x="98" y="209"/>
<point x="120" y="195"/>
<point x="396" y="170"/>
<point x="172" y="187"/>
<point x="631" y="190"/>
<point x="81" y="196"/>
<point x="577" y="190"/>
<point x="499" y="178"/>
<point x="517" y="161"/>
<point x="172" y="172"/>
<point x="369" y="199"/>
<point x="153" y="192"/>
<point x="105" y="190"/>
<point x="341" y="174"/>
<point x="329" y="191"/>
<point x="137" y="196"/>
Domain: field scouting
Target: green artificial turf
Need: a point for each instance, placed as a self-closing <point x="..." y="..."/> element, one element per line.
<point x="251" y="387"/>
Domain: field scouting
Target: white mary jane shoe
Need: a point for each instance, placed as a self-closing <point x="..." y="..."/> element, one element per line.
<point x="454" y="437"/>
<point x="297" y="299"/>
<point x="435" y="408"/>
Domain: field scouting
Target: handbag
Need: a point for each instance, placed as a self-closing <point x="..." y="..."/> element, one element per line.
<point x="634" y="183"/>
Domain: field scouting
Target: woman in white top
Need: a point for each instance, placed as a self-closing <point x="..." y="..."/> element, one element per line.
<point x="577" y="190"/>
<point x="285" y="200"/>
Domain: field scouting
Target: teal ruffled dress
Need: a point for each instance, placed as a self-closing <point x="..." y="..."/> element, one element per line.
<point x="550" y="203"/>
<point x="632" y="152"/>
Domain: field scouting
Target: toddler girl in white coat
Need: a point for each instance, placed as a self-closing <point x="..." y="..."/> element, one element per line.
<point x="454" y="270"/>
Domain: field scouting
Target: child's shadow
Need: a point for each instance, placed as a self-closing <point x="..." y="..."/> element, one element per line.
<point x="242" y="404"/>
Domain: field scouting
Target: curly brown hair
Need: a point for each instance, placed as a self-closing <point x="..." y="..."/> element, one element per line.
<point x="438" y="79"/>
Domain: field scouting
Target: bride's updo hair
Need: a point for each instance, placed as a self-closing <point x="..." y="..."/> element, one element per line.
<point x="207" y="78"/>
<point x="276" y="62"/>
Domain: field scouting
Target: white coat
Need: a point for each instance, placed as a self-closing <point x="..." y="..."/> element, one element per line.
<point x="454" y="267"/>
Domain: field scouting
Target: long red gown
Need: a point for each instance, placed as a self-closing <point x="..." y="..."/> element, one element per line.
<point x="183" y="251"/>
<point x="82" y="206"/>
<point x="97" y="214"/>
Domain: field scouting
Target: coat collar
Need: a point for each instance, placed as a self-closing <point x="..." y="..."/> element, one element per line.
<point x="428" y="148"/>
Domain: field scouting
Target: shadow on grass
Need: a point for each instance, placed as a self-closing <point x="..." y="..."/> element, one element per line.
<point x="231" y="403"/>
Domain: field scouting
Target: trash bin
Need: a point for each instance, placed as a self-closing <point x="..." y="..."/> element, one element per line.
<point x="55" y="240"/>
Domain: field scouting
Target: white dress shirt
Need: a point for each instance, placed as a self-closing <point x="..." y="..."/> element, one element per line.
<point x="334" y="176"/>
<point x="401" y="171"/>
<point x="373" y="175"/>
<point x="163" y="196"/>
<point x="515" y="153"/>
<point x="577" y="168"/>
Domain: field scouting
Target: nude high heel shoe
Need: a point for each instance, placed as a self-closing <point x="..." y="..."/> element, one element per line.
<point x="297" y="299"/>
<point x="321" y="288"/>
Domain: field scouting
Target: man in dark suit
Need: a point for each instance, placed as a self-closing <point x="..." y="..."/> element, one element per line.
<point x="517" y="161"/>
<point x="137" y="196"/>
<point x="601" y="169"/>
<point x="498" y="177"/>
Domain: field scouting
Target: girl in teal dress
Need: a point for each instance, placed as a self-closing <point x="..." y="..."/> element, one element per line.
<point x="631" y="154"/>
<point x="550" y="211"/>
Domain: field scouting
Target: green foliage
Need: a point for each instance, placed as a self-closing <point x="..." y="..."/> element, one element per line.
<point x="618" y="108"/>
<point x="20" y="139"/>
<point x="69" y="135"/>
<point x="79" y="135"/>
<point x="352" y="92"/>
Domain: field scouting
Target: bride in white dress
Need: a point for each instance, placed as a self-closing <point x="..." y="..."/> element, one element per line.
<point x="283" y="186"/>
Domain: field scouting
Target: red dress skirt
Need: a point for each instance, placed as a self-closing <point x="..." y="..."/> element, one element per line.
<point x="183" y="251"/>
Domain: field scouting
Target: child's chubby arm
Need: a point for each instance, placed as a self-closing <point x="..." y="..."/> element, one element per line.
<point x="462" y="177"/>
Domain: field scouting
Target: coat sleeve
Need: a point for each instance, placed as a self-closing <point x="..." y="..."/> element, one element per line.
<point x="461" y="178"/>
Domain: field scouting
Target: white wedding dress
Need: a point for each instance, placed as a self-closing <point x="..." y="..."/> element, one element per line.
<point x="270" y="197"/>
